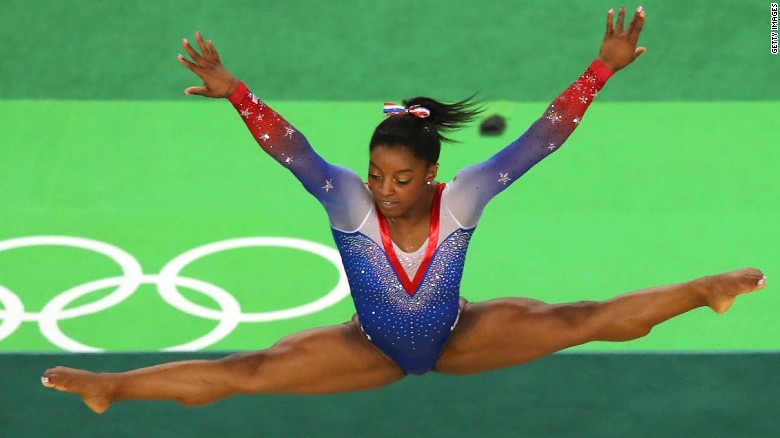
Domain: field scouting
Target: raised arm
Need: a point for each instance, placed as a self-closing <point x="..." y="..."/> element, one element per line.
<point x="475" y="185"/>
<point x="340" y="190"/>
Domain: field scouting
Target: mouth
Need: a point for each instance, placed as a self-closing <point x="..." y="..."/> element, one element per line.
<point x="387" y="204"/>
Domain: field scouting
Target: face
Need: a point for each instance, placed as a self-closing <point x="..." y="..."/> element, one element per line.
<point x="399" y="180"/>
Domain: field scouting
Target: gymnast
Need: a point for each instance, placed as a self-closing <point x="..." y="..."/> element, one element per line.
<point x="403" y="238"/>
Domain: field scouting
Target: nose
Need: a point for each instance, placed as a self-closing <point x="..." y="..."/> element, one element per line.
<point x="386" y="187"/>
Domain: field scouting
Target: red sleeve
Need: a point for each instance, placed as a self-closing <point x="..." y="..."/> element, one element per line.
<point x="569" y="107"/>
<point x="272" y="132"/>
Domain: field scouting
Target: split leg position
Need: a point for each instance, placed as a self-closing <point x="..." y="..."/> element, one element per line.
<point x="490" y="335"/>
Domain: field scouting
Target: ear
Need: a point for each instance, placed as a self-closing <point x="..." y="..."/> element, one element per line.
<point x="433" y="170"/>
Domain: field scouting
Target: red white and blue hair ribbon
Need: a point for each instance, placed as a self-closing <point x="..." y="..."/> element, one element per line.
<point x="393" y="109"/>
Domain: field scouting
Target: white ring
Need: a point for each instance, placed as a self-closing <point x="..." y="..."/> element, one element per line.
<point x="171" y="271"/>
<point x="49" y="321"/>
<point x="13" y="313"/>
<point x="132" y="271"/>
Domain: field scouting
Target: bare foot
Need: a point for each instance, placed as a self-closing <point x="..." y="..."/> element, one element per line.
<point x="93" y="388"/>
<point x="721" y="290"/>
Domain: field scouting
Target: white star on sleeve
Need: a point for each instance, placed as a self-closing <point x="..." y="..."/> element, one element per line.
<point x="246" y="113"/>
<point x="553" y="116"/>
<point x="503" y="177"/>
<point x="328" y="185"/>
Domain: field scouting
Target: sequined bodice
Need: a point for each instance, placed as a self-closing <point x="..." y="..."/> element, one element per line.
<point x="391" y="317"/>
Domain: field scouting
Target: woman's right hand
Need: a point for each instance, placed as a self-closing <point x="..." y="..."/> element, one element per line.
<point x="218" y="82"/>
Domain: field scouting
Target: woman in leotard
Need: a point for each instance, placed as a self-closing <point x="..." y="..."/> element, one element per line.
<point x="403" y="240"/>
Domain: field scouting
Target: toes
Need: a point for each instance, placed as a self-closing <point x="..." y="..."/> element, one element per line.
<point x="46" y="382"/>
<point x="48" y="378"/>
<point x="756" y="272"/>
<point x="52" y="378"/>
<point x="754" y="277"/>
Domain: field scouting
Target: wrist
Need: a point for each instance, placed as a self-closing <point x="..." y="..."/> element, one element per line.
<point x="602" y="69"/>
<point x="233" y="88"/>
<point x="239" y="91"/>
<point x="607" y="64"/>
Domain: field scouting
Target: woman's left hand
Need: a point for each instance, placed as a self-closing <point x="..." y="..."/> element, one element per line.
<point x="619" y="47"/>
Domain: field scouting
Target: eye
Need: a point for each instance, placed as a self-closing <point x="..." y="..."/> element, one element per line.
<point x="374" y="176"/>
<point x="403" y="182"/>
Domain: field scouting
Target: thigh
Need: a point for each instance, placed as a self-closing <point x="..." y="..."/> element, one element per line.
<point x="510" y="331"/>
<point x="317" y="361"/>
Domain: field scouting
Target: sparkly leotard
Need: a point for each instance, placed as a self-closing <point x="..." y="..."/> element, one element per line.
<point x="408" y="303"/>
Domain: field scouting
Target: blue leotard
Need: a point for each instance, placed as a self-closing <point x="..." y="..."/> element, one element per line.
<point x="408" y="303"/>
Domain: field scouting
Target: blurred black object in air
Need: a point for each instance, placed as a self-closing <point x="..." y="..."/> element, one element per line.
<point x="493" y="125"/>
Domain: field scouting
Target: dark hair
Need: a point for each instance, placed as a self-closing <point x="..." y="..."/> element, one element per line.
<point x="424" y="135"/>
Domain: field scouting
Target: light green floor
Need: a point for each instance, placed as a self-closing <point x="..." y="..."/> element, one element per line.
<point x="643" y="194"/>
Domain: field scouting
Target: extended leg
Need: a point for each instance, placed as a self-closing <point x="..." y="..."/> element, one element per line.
<point x="325" y="360"/>
<point x="511" y="331"/>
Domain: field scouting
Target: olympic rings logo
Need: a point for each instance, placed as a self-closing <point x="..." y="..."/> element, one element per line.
<point x="229" y="314"/>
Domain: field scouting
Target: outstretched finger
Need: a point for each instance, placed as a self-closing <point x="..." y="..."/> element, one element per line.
<point x="190" y="51"/>
<point x="610" y="21"/>
<point x="187" y="63"/>
<point x="213" y="51"/>
<point x="202" y="45"/>
<point x="621" y="18"/>
<point x="199" y="91"/>
<point x="636" y="25"/>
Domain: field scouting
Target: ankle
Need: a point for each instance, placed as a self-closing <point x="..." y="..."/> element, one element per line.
<point x="700" y="291"/>
<point x="110" y="386"/>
